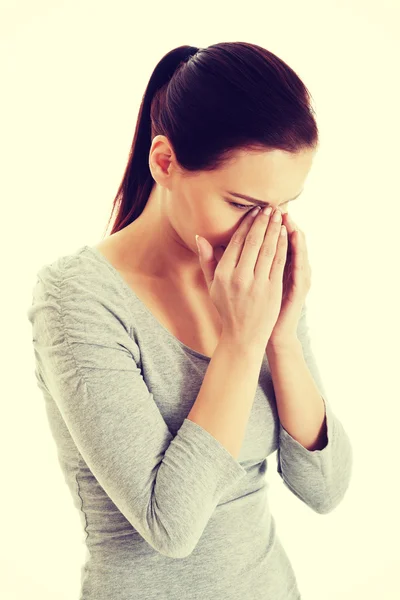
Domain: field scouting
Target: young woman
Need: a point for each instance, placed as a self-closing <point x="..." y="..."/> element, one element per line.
<point x="171" y="374"/>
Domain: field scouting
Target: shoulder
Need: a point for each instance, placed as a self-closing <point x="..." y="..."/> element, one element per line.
<point x="71" y="272"/>
<point x="80" y="318"/>
<point x="78" y="285"/>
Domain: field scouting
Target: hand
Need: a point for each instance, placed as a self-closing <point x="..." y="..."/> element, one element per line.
<point x="246" y="284"/>
<point x="296" y="285"/>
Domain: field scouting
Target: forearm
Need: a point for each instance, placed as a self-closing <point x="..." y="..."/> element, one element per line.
<point x="300" y="406"/>
<point x="226" y="397"/>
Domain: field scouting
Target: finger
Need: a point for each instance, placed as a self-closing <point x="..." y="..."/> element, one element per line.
<point x="264" y="232"/>
<point x="234" y="249"/>
<point x="281" y="259"/>
<point x="287" y="272"/>
<point x="294" y="231"/>
<point x="288" y="221"/>
<point x="273" y="253"/>
<point x="300" y="252"/>
<point x="300" y="242"/>
<point x="207" y="259"/>
<point x="299" y="246"/>
<point x="218" y="253"/>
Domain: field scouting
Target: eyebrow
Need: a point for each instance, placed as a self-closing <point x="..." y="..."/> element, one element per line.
<point x="260" y="202"/>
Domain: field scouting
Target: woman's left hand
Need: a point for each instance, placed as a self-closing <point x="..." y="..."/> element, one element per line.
<point x="296" y="285"/>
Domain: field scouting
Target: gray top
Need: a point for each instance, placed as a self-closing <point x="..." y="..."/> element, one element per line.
<point x="167" y="511"/>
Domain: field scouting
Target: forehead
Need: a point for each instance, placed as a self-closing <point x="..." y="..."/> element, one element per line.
<point x="269" y="163"/>
<point x="267" y="175"/>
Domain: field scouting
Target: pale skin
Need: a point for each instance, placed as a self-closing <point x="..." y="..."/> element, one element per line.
<point x="163" y="244"/>
<point x="183" y="204"/>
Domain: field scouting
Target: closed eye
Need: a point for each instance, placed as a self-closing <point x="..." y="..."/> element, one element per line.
<point x="249" y="206"/>
<point x="240" y="206"/>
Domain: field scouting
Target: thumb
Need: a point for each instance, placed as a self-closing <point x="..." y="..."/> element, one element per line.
<point x="207" y="260"/>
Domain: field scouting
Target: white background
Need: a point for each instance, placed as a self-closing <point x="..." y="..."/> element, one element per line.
<point x="72" y="78"/>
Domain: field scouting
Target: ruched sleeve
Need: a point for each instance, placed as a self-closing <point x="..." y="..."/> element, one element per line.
<point x="166" y="486"/>
<point x="319" y="478"/>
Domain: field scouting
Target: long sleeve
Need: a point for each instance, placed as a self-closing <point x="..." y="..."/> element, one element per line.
<point x="319" y="478"/>
<point x="89" y="362"/>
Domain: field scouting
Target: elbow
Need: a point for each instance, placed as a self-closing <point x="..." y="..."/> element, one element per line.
<point x="179" y="545"/>
<point x="180" y="552"/>
<point x="174" y="550"/>
<point x="167" y="538"/>
<point x="323" y="509"/>
<point x="332" y="501"/>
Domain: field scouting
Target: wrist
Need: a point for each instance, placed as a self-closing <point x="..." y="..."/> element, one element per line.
<point x="285" y="345"/>
<point x="238" y="345"/>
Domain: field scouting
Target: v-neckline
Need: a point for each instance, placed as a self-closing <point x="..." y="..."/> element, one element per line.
<point x="128" y="289"/>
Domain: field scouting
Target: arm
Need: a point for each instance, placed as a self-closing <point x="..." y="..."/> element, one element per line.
<point x="226" y="397"/>
<point x="166" y="484"/>
<point x="314" y="457"/>
<point x="300" y="406"/>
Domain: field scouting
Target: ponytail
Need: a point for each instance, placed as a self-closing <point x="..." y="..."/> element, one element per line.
<point x="137" y="181"/>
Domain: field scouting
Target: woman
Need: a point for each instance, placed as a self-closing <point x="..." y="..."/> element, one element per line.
<point x="170" y="376"/>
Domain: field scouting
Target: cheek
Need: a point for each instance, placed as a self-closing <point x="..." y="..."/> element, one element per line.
<point x="213" y="225"/>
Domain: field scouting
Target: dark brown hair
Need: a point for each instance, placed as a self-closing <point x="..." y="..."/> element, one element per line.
<point x="229" y="96"/>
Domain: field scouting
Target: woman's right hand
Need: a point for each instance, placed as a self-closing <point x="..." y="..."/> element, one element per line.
<point x="246" y="285"/>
